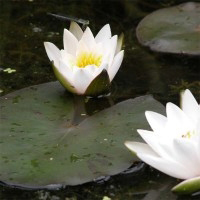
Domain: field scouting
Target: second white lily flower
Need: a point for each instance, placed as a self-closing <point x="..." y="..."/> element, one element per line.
<point x="84" y="57"/>
<point x="173" y="147"/>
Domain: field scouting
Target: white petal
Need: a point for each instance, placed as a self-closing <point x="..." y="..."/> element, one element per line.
<point x="109" y="48"/>
<point x="70" y="42"/>
<point x="107" y="51"/>
<point x="88" y="38"/>
<point x="174" y="113"/>
<point x="81" y="80"/>
<point x="53" y="53"/>
<point x="94" y="71"/>
<point x="163" y="146"/>
<point x="190" y="105"/>
<point x="100" y="69"/>
<point x="76" y="30"/>
<point x="67" y="72"/>
<point x="185" y="152"/>
<point x="113" y="43"/>
<point x="107" y="43"/>
<point x="68" y="59"/>
<point x="119" y="43"/>
<point x="138" y="147"/>
<point x="156" y="121"/>
<point x="172" y="168"/>
<point x="198" y="144"/>
<point x="82" y="47"/>
<point x="103" y="34"/>
<point x="64" y="76"/>
<point x="178" y="123"/>
<point x="150" y="138"/>
<point x="91" y="69"/>
<point x="98" y="49"/>
<point x="113" y="69"/>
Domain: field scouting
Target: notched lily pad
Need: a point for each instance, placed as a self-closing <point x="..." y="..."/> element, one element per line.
<point x="172" y="30"/>
<point x="188" y="186"/>
<point x="39" y="148"/>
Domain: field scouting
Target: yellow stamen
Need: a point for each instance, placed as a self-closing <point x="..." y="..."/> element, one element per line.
<point x="188" y="135"/>
<point x="85" y="58"/>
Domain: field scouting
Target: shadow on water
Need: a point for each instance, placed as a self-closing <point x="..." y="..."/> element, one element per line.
<point x="25" y="25"/>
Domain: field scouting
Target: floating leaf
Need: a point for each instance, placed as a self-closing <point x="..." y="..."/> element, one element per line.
<point x="41" y="149"/>
<point x="188" y="186"/>
<point x="173" y="30"/>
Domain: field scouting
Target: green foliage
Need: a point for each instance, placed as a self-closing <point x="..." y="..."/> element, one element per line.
<point x="188" y="186"/>
<point x="40" y="147"/>
<point x="172" y="30"/>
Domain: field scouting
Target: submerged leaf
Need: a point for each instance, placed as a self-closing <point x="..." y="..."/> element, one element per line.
<point x="41" y="149"/>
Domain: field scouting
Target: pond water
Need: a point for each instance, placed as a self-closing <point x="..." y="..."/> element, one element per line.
<point x="25" y="25"/>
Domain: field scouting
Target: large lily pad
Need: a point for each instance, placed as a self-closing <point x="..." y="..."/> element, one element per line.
<point x="173" y="30"/>
<point x="40" y="148"/>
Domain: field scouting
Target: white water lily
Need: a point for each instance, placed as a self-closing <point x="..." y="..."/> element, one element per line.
<point x="173" y="147"/>
<point x="84" y="57"/>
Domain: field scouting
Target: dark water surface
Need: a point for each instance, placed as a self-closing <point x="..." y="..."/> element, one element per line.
<point x="25" y="25"/>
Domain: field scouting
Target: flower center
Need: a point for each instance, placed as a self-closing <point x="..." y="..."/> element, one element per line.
<point x="86" y="58"/>
<point x="188" y="135"/>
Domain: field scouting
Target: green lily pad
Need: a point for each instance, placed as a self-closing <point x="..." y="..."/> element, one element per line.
<point x="173" y="30"/>
<point x="188" y="186"/>
<point x="41" y="149"/>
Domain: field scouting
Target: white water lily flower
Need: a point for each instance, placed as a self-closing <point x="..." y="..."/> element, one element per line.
<point x="173" y="147"/>
<point x="84" y="57"/>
